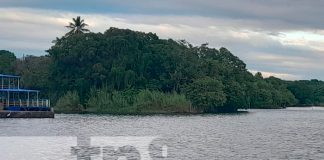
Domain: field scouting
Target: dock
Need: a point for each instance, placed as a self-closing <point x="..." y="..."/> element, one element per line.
<point x="26" y="114"/>
<point x="18" y="102"/>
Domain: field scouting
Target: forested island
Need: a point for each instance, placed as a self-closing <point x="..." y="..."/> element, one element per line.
<point x="122" y="71"/>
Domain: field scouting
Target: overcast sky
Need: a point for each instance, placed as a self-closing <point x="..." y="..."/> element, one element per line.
<point x="284" y="38"/>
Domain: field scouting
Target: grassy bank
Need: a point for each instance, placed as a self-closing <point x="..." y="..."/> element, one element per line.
<point x="135" y="102"/>
<point x="103" y="101"/>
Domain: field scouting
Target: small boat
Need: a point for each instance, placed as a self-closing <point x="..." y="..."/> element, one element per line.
<point x="16" y="102"/>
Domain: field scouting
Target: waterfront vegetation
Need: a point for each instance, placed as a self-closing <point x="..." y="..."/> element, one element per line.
<point x="105" y="101"/>
<point x="122" y="71"/>
<point x="141" y="102"/>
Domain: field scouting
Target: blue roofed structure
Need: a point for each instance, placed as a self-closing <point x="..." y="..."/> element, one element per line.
<point x="9" y="76"/>
<point x="18" y="90"/>
<point x="15" y="98"/>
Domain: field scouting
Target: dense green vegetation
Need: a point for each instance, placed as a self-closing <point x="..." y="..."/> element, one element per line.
<point x="308" y="92"/>
<point x="136" y="102"/>
<point x="77" y="26"/>
<point x="7" y="62"/>
<point x="126" y="72"/>
<point x="121" y="60"/>
<point x="34" y="72"/>
<point x="69" y="103"/>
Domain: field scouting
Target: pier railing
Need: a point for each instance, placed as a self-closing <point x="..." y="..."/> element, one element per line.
<point x="9" y="81"/>
<point x="30" y="103"/>
<point x="4" y="86"/>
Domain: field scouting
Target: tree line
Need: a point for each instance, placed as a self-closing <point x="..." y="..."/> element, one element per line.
<point x="120" y="64"/>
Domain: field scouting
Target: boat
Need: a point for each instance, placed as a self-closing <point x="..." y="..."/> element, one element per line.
<point x="17" y="102"/>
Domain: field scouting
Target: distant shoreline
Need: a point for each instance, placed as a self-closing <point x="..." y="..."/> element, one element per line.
<point x="240" y="111"/>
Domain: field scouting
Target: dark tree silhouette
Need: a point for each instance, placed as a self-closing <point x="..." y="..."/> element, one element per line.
<point x="77" y="26"/>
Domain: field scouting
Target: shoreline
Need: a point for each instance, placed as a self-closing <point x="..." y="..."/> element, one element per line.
<point x="240" y="111"/>
<point x="157" y="113"/>
<point x="26" y="114"/>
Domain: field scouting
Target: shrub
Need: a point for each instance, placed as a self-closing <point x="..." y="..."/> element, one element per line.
<point x="206" y="94"/>
<point x="158" y="102"/>
<point x="136" y="102"/>
<point x="69" y="103"/>
<point x="104" y="101"/>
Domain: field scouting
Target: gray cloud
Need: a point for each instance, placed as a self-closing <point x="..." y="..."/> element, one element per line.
<point x="257" y="31"/>
<point x="287" y="13"/>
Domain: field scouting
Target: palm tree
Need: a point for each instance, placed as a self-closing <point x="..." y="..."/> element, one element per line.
<point x="77" y="26"/>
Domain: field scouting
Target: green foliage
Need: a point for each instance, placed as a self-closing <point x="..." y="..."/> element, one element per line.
<point x="270" y="93"/>
<point x="34" y="73"/>
<point x="137" y="72"/>
<point x="280" y="94"/>
<point x="8" y="60"/>
<point x="77" y="26"/>
<point x="69" y="103"/>
<point x="136" y="102"/>
<point x="236" y="95"/>
<point x="105" y="101"/>
<point x="124" y="59"/>
<point x="157" y="102"/>
<point x="206" y="94"/>
<point x="308" y="92"/>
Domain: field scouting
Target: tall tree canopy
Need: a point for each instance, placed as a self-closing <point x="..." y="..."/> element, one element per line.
<point x="34" y="72"/>
<point x="7" y="62"/>
<point x="77" y="26"/>
<point x="214" y="80"/>
<point x="308" y="92"/>
<point x="120" y="64"/>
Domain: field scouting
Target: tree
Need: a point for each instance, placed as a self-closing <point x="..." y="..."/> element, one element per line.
<point x="235" y="95"/>
<point x="121" y="60"/>
<point x="34" y="73"/>
<point x="77" y="26"/>
<point x="258" y="76"/>
<point x="69" y="103"/>
<point x="308" y="92"/>
<point x="206" y="94"/>
<point x="8" y="60"/>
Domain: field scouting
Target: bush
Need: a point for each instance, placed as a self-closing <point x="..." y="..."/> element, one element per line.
<point x="157" y="102"/>
<point x="206" y="94"/>
<point x="104" y="101"/>
<point x="69" y="103"/>
<point x="136" y="102"/>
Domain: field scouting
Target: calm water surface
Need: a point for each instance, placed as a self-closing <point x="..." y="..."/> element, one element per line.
<point x="293" y="133"/>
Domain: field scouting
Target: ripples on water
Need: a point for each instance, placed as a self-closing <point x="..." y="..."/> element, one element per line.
<point x="293" y="133"/>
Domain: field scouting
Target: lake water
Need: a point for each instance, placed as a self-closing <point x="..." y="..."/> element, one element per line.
<point x="293" y="133"/>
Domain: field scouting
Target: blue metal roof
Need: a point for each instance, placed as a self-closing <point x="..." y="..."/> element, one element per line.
<point x="9" y="76"/>
<point x="18" y="90"/>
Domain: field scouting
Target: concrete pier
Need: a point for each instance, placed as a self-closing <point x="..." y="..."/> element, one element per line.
<point x="26" y="114"/>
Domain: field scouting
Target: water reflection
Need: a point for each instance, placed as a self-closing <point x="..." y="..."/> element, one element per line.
<point x="293" y="133"/>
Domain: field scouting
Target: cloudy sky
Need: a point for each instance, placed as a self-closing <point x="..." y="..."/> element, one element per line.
<point x="284" y="38"/>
